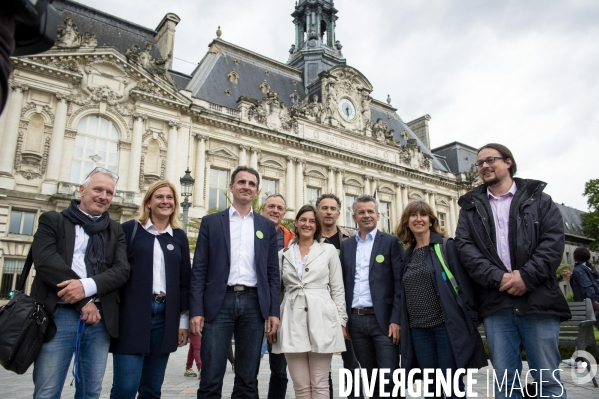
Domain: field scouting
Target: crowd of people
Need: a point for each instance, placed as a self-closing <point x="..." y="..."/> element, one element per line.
<point x="410" y="300"/>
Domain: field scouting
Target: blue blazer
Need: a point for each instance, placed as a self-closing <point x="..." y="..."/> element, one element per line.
<point x="384" y="277"/>
<point x="212" y="263"/>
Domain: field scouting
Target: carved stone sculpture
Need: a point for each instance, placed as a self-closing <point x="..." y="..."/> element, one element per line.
<point x="68" y="36"/>
<point x="144" y="58"/>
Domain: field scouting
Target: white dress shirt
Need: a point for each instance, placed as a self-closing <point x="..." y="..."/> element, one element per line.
<point x="158" y="271"/>
<point x="159" y="268"/>
<point x="78" y="264"/>
<point x="362" y="297"/>
<point x="243" y="267"/>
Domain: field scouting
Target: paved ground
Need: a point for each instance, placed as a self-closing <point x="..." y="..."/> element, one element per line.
<point x="13" y="386"/>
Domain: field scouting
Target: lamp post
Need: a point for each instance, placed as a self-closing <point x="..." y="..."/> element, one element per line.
<point x="186" y="191"/>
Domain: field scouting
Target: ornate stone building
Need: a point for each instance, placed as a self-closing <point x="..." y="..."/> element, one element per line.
<point x="106" y="95"/>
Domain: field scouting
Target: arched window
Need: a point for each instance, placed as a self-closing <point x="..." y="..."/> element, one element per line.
<point x="96" y="145"/>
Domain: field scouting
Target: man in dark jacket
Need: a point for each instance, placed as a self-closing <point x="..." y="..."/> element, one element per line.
<point x="510" y="239"/>
<point x="583" y="281"/>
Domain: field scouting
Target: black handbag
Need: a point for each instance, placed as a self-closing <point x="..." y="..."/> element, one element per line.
<point x="23" y="326"/>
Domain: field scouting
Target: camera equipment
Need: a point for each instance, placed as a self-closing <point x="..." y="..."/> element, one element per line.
<point x="36" y="25"/>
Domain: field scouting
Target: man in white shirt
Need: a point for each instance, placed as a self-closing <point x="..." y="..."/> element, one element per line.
<point x="235" y="287"/>
<point x="80" y="257"/>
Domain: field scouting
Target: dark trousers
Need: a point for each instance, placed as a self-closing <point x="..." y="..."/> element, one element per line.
<point x="373" y="348"/>
<point x="239" y="315"/>
<point x="277" y="386"/>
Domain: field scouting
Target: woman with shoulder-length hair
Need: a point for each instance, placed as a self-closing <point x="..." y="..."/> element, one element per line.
<point x="154" y="305"/>
<point x="439" y="317"/>
<point x="313" y="315"/>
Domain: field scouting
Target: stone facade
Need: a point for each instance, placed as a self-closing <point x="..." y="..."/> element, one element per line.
<point x="105" y="96"/>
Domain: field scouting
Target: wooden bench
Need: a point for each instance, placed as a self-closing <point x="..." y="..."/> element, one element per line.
<point x="577" y="332"/>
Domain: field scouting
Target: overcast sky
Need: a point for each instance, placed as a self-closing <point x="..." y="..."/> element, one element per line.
<point x="522" y="73"/>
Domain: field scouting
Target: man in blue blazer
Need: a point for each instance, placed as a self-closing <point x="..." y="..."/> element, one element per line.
<point x="235" y="287"/>
<point x="371" y="263"/>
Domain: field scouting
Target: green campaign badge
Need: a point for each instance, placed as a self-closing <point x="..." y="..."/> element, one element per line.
<point x="380" y="259"/>
<point x="338" y="252"/>
<point x="259" y="234"/>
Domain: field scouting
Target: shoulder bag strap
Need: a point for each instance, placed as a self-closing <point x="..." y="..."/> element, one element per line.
<point x="132" y="237"/>
<point x="25" y="273"/>
<point x="448" y="274"/>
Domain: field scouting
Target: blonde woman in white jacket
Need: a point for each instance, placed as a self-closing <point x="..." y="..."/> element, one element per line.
<point x="313" y="315"/>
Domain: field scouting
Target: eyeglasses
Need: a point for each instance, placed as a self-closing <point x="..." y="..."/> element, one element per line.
<point x="489" y="161"/>
<point x="105" y="171"/>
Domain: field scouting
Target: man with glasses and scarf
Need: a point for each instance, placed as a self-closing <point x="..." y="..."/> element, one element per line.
<point x="80" y="258"/>
<point x="510" y="238"/>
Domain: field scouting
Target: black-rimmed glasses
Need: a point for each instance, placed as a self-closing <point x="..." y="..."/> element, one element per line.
<point x="489" y="161"/>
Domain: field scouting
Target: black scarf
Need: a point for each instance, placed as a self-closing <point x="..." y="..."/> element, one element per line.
<point x="94" y="253"/>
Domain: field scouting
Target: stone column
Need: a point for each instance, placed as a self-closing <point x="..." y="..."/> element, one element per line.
<point x="135" y="156"/>
<point x="198" y="194"/>
<point x="433" y="202"/>
<point x="398" y="205"/>
<point x="339" y="193"/>
<point x="425" y="196"/>
<point x="8" y="147"/>
<point x="299" y="184"/>
<point x="254" y="158"/>
<point x="331" y="181"/>
<point x="171" y="153"/>
<point x="452" y="217"/>
<point x="367" y="185"/>
<point x="404" y="195"/>
<point x="290" y="187"/>
<point x="243" y="160"/>
<point x="50" y="184"/>
<point x="373" y="186"/>
<point x="3" y="119"/>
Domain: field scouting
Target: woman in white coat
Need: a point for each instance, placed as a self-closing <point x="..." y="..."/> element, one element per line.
<point x="313" y="315"/>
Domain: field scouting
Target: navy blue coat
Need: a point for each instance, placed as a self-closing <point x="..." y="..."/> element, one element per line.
<point x="383" y="278"/>
<point x="135" y="314"/>
<point x="459" y="312"/>
<point x="583" y="282"/>
<point x="212" y="263"/>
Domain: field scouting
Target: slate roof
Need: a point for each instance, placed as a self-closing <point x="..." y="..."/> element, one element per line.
<point x="181" y="79"/>
<point x="572" y="221"/>
<point x="210" y="79"/>
<point x="459" y="156"/>
<point x="109" y="30"/>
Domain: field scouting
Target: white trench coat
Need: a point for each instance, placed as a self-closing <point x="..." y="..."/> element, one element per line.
<point x="313" y="308"/>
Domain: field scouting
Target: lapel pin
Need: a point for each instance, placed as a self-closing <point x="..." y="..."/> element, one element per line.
<point x="170" y="247"/>
<point x="338" y="252"/>
<point x="259" y="234"/>
<point x="380" y="259"/>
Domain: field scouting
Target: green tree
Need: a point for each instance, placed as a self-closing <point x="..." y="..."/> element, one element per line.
<point x="590" y="220"/>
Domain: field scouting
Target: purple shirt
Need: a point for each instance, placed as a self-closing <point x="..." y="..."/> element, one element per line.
<point x="501" y="216"/>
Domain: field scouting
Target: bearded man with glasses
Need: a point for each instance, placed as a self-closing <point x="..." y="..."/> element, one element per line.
<point x="510" y="239"/>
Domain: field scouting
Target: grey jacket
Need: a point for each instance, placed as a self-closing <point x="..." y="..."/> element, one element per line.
<point x="536" y="237"/>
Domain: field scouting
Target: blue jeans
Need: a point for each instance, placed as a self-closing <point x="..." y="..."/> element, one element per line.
<point x="373" y="348"/>
<point x="432" y="348"/>
<point x="240" y="315"/>
<point x="508" y="334"/>
<point x="52" y="363"/>
<point x="142" y="373"/>
<point x="277" y="386"/>
<point x="263" y="349"/>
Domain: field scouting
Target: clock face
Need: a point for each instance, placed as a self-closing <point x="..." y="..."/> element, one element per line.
<point x="347" y="109"/>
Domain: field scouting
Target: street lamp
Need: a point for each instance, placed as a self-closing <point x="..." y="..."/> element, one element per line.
<point x="186" y="191"/>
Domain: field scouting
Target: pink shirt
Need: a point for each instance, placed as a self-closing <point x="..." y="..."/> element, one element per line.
<point x="501" y="216"/>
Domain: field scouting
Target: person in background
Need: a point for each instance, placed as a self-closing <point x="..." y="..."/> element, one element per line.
<point x="439" y="324"/>
<point x="195" y="345"/>
<point x="154" y="318"/>
<point x="274" y="208"/>
<point x="313" y="315"/>
<point x="328" y="207"/>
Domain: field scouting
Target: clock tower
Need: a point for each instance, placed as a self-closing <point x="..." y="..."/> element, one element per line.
<point x="316" y="48"/>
